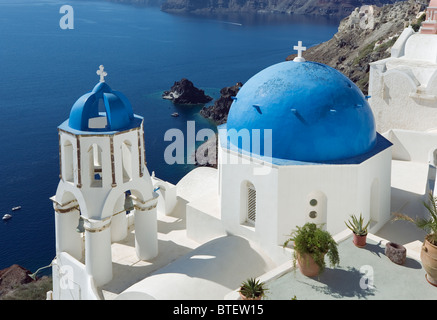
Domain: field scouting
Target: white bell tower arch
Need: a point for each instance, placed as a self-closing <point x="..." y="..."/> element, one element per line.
<point x="103" y="175"/>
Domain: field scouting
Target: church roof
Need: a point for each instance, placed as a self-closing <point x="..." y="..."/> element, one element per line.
<point x="116" y="113"/>
<point x="313" y="112"/>
<point x="101" y="110"/>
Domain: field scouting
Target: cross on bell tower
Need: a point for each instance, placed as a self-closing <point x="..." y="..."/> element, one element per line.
<point x="299" y="49"/>
<point x="102" y="73"/>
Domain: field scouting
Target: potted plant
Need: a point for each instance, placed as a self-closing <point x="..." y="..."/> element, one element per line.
<point x="252" y="289"/>
<point x="359" y="229"/>
<point x="311" y="244"/>
<point x="428" y="254"/>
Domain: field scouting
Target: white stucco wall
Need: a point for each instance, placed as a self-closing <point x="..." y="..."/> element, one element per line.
<point x="235" y="171"/>
<point x="406" y="145"/>
<point x="347" y="189"/>
<point x="71" y="281"/>
<point x="284" y="194"/>
<point x="403" y="88"/>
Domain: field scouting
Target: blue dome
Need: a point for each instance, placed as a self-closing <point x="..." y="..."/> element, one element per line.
<point x="315" y="113"/>
<point x="117" y="114"/>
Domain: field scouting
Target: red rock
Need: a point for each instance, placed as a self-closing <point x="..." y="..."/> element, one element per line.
<point x="12" y="277"/>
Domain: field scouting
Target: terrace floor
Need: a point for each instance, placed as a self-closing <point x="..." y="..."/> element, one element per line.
<point x="363" y="274"/>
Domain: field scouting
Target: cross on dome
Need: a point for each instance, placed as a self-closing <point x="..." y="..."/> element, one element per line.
<point x="102" y="73"/>
<point x="299" y="49"/>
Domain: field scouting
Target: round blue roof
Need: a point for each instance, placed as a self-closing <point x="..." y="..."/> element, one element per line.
<point x="117" y="114"/>
<point x="314" y="112"/>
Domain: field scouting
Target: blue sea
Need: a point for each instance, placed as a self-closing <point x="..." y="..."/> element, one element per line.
<point x="44" y="69"/>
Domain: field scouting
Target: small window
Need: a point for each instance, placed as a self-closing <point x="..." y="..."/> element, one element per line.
<point x="251" y="204"/>
<point x="98" y="123"/>
<point x="313" y="214"/>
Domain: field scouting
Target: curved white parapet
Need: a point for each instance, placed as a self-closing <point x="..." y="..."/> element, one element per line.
<point x="421" y="47"/>
<point x="401" y="79"/>
<point x="135" y="295"/>
<point x="197" y="183"/>
<point x="207" y="273"/>
<point x="398" y="48"/>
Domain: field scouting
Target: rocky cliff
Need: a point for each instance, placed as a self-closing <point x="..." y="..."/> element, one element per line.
<point x="366" y="37"/>
<point x="16" y="284"/>
<point x="155" y="3"/>
<point x="339" y="8"/>
<point x="12" y="277"/>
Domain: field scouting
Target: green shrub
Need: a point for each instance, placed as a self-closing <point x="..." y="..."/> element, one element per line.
<point x="315" y="241"/>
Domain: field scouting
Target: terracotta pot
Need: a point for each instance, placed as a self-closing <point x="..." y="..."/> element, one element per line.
<point x="428" y="256"/>
<point x="360" y="241"/>
<point x="397" y="253"/>
<point x="308" y="267"/>
<point x="243" y="297"/>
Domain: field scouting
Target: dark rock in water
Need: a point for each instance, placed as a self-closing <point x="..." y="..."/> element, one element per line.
<point x="219" y="111"/>
<point x="184" y="92"/>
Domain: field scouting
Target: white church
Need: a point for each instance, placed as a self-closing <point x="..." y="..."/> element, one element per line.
<point x="301" y="144"/>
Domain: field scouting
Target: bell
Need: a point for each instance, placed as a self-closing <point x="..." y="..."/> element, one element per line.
<point x="80" y="228"/>
<point x="129" y="203"/>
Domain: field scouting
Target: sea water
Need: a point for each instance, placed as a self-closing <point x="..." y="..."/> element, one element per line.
<point x="45" y="68"/>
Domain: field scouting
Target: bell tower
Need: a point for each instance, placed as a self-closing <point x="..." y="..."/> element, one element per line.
<point x="103" y="176"/>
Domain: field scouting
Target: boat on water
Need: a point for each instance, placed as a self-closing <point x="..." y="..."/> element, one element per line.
<point x="7" y="216"/>
<point x="16" y="208"/>
<point x="175" y="114"/>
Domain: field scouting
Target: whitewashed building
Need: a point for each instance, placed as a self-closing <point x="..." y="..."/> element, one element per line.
<point x="301" y="144"/>
<point x="403" y="98"/>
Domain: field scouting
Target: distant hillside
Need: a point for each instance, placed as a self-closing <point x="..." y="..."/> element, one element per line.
<point x="341" y="8"/>
<point x="356" y="45"/>
<point x="155" y="3"/>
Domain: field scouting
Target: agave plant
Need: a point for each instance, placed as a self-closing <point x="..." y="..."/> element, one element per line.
<point x="252" y="288"/>
<point x="356" y="225"/>
<point x="428" y="225"/>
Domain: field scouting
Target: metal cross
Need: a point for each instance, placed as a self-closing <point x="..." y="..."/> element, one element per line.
<point x="299" y="49"/>
<point x="102" y="73"/>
